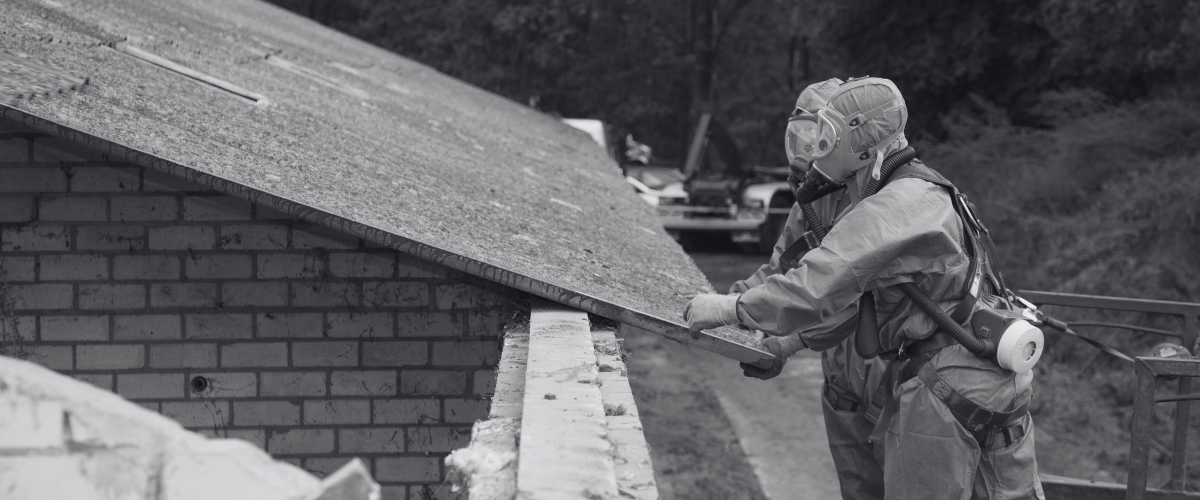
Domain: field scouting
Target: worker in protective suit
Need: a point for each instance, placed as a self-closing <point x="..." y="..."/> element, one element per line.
<point x="850" y="381"/>
<point x="955" y="424"/>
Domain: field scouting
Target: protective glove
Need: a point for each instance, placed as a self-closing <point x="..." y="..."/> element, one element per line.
<point x="710" y="310"/>
<point x="782" y="348"/>
<point x="738" y="287"/>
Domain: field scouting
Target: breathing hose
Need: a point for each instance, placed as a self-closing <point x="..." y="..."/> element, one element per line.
<point x="866" y="336"/>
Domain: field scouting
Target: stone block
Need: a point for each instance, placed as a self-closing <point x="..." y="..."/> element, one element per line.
<point x="183" y="356"/>
<point x="463" y="296"/>
<point x="253" y="237"/>
<point x="325" y="353"/>
<point x="254" y="413"/>
<point x="72" y="208"/>
<point x="16" y="208"/>
<point x="436" y="439"/>
<point x="123" y="238"/>
<point x="148" y="327"/>
<point x="183" y="238"/>
<point x="324" y="294"/>
<point x="397" y="354"/>
<point x="466" y="353"/>
<point x="218" y="326"/>
<point x="466" y="411"/>
<point x="105" y="179"/>
<point x="199" y="295"/>
<point x="144" y="208"/>
<point x="395" y="294"/>
<point x="284" y="384"/>
<point x="290" y="265"/>
<point x="156" y="181"/>
<point x="15" y="269"/>
<point x="33" y="180"/>
<point x="215" y="208"/>
<point x="429" y="324"/>
<point x="484" y="323"/>
<point x="35" y="239"/>
<point x="255" y="294"/>
<point x="146" y="267"/>
<point x="109" y="297"/>
<point x="433" y="382"/>
<point x="218" y="266"/>
<point x="254" y="354"/>
<point x="110" y="357"/>
<point x="363" y="383"/>
<point x="371" y="440"/>
<point x="362" y="264"/>
<point x="322" y="467"/>
<point x="337" y="412"/>
<point x="211" y="414"/>
<point x="289" y="325"/>
<point x="100" y="380"/>
<point x="74" y="328"/>
<point x="356" y="324"/>
<point x="47" y="149"/>
<point x="150" y="385"/>
<point x="408" y="469"/>
<point x="224" y="385"/>
<point x="54" y="357"/>
<point x="72" y="267"/>
<point x="300" y="441"/>
<point x="483" y="382"/>
<point x="318" y="237"/>
<point x="25" y="297"/>
<point x="414" y="268"/>
<point x="406" y="411"/>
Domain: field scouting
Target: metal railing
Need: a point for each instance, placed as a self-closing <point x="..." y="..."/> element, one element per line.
<point x="1148" y="370"/>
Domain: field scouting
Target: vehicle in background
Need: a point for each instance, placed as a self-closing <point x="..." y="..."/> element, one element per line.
<point x="751" y="206"/>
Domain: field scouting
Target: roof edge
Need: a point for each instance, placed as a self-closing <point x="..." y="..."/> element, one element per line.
<point x="548" y="291"/>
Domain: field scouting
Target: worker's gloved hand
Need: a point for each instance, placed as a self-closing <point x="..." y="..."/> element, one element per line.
<point x="782" y="348"/>
<point x="710" y="310"/>
<point x="739" y="287"/>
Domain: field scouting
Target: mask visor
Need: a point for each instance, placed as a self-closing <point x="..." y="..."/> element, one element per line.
<point x="827" y="135"/>
<point x="799" y="139"/>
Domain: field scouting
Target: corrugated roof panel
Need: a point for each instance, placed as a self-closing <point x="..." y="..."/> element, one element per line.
<point x="356" y="137"/>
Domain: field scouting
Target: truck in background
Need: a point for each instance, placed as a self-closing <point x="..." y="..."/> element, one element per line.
<point x="713" y="194"/>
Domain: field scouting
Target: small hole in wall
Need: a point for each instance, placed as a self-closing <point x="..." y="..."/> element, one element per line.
<point x="199" y="384"/>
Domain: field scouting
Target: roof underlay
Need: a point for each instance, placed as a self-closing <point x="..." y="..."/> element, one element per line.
<point x="254" y="101"/>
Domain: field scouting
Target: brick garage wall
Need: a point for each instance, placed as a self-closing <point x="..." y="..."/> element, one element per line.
<point x="239" y="321"/>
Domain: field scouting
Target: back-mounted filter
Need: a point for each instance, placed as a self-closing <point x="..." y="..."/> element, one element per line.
<point x="1019" y="344"/>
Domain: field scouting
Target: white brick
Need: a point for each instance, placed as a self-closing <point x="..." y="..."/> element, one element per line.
<point x="183" y="238"/>
<point x="254" y="237"/>
<point x="105" y="179"/>
<point x="73" y="267"/>
<point x="72" y="208"/>
<point x="110" y="357"/>
<point x="254" y="354"/>
<point x="218" y="266"/>
<point x="145" y="208"/>
<point x="74" y="328"/>
<point x="35" y="239"/>
<point x="363" y="383"/>
<point x="112" y="296"/>
<point x="294" y="325"/>
<point x="198" y="413"/>
<point x="148" y="327"/>
<point x="215" y="208"/>
<point x="146" y="267"/>
<point x="127" y="238"/>
<point x="150" y="385"/>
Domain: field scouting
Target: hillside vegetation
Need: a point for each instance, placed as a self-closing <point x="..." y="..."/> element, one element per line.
<point x="1106" y="202"/>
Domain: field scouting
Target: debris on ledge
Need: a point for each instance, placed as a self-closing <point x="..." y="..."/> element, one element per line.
<point x="63" y="438"/>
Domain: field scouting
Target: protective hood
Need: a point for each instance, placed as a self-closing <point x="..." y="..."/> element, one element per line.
<point x="802" y="125"/>
<point x="858" y="125"/>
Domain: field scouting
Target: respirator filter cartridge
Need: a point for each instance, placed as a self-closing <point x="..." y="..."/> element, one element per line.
<point x="1019" y="344"/>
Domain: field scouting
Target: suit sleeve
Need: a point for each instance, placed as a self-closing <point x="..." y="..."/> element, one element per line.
<point x="908" y="228"/>
<point x="793" y="229"/>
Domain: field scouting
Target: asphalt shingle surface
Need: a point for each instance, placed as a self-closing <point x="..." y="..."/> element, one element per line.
<point x="363" y="137"/>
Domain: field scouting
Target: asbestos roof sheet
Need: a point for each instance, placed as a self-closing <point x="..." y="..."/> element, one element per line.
<point x="263" y="104"/>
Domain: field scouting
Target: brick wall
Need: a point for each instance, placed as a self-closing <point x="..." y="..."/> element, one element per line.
<point x="240" y="321"/>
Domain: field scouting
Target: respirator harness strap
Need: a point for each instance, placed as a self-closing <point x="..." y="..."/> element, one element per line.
<point x="984" y="424"/>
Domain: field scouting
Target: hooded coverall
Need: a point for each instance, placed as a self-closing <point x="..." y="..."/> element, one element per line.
<point x="907" y="232"/>
<point x="850" y="381"/>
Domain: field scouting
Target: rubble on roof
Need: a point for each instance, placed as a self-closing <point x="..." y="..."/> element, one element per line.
<point x="63" y="438"/>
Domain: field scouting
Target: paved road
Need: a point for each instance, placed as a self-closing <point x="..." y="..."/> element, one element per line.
<point x="777" y="423"/>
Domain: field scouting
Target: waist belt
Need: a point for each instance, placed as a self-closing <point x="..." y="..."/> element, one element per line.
<point x="911" y="359"/>
<point x="984" y="424"/>
<point x="840" y="402"/>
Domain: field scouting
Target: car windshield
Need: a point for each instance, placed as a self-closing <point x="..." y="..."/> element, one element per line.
<point x="655" y="177"/>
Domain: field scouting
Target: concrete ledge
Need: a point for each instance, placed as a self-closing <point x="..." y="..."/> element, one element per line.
<point x="563" y="395"/>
